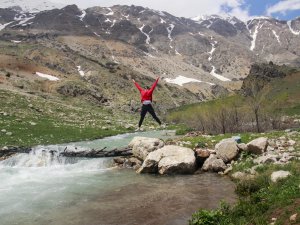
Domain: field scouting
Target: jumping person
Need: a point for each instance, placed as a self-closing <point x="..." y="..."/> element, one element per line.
<point x="146" y="99"/>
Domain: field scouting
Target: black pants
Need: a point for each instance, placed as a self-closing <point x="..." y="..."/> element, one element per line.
<point x="145" y="109"/>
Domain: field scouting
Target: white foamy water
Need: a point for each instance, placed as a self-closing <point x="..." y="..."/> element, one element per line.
<point x="33" y="183"/>
<point x="43" y="188"/>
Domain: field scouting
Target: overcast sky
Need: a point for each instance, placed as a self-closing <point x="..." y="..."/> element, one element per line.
<point x="243" y="9"/>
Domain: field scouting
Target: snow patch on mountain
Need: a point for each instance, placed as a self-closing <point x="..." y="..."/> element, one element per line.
<point x="98" y="35"/>
<point x="177" y="53"/>
<point x="170" y="29"/>
<point x="114" y="22"/>
<point x="126" y="17"/>
<point x="254" y="36"/>
<point x="218" y="76"/>
<point x="81" y="72"/>
<point x="213" y="45"/>
<point x="47" y="76"/>
<point x="110" y="13"/>
<point x="289" y="23"/>
<point x="82" y="15"/>
<point x="148" y="37"/>
<point x="277" y="36"/>
<point x="181" y="80"/>
<point x="2" y="26"/>
<point x="162" y="20"/>
<point x="23" y="19"/>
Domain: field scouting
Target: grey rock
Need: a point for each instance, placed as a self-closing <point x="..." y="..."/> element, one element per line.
<point x="9" y="133"/>
<point x="278" y="175"/>
<point x="242" y="147"/>
<point x="266" y="159"/>
<point x="170" y="159"/>
<point x="119" y="160"/>
<point x="227" y="149"/>
<point x="258" y="146"/>
<point x="142" y="146"/>
<point x="213" y="163"/>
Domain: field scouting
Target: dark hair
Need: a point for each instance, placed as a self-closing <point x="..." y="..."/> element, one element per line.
<point x="147" y="87"/>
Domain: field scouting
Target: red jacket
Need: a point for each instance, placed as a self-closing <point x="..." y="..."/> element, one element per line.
<point x="146" y="94"/>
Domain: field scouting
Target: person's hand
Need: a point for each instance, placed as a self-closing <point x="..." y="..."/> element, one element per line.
<point x="157" y="77"/>
<point x="133" y="80"/>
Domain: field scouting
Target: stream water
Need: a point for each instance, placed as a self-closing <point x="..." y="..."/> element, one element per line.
<point x="41" y="188"/>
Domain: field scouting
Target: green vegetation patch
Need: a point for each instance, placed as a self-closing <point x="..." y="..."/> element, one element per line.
<point x="260" y="200"/>
<point x="27" y="120"/>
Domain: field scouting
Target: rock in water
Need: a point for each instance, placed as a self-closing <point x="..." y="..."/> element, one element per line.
<point x="170" y="159"/>
<point x="227" y="149"/>
<point x="258" y="146"/>
<point x="213" y="163"/>
<point x="278" y="175"/>
<point x="201" y="156"/>
<point x="142" y="146"/>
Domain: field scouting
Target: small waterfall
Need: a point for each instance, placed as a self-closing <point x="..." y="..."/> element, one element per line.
<point x="49" y="157"/>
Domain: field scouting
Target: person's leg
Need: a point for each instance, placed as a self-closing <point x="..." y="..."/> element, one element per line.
<point x="151" y="111"/>
<point x="143" y="114"/>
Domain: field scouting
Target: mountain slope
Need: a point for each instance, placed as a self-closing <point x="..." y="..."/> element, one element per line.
<point x="213" y="51"/>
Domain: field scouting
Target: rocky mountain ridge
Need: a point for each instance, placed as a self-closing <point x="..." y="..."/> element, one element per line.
<point x="213" y="51"/>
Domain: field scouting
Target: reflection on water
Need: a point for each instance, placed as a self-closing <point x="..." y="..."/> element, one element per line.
<point x="44" y="188"/>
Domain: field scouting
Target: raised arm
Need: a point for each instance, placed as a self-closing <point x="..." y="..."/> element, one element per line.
<point x="137" y="85"/>
<point x="154" y="84"/>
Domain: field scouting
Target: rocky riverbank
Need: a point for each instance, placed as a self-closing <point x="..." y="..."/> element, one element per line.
<point x="152" y="155"/>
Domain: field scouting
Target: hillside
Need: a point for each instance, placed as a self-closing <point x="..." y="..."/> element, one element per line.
<point x="268" y="100"/>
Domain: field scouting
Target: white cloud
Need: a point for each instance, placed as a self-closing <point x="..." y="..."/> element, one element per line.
<point x="283" y="7"/>
<point x="187" y="8"/>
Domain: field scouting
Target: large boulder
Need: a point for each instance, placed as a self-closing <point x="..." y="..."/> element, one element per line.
<point x="227" y="149"/>
<point x="142" y="146"/>
<point x="170" y="159"/>
<point x="213" y="163"/>
<point x="258" y="146"/>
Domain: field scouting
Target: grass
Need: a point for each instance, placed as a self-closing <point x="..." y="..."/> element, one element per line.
<point x="48" y="131"/>
<point x="260" y="200"/>
<point x="34" y="120"/>
<point x="211" y="141"/>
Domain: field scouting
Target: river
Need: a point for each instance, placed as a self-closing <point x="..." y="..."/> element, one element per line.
<point x="44" y="189"/>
